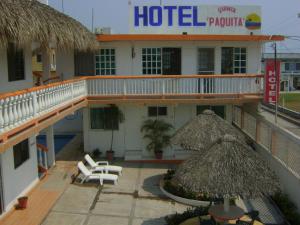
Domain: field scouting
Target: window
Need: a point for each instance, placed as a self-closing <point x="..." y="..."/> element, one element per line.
<point x="21" y="153"/>
<point x="106" y="62"/>
<point x="102" y="118"/>
<point x="206" y="61"/>
<point x="15" y="61"/>
<point x="152" y="60"/>
<point x="155" y="111"/>
<point x="218" y="109"/>
<point x="234" y="60"/>
<point x="240" y="57"/>
<point x="297" y="66"/>
<point x="287" y="66"/>
<point x="39" y="58"/>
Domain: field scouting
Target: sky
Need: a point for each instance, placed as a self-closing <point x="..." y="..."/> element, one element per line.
<point x="278" y="16"/>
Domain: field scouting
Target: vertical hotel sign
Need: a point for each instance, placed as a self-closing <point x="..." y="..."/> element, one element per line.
<point x="194" y="19"/>
<point x="272" y="81"/>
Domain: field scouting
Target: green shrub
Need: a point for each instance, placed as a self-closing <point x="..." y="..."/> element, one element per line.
<point x="287" y="207"/>
<point x="178" y="218"/>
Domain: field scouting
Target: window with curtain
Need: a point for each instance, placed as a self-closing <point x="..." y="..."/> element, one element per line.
<point x="101" y="118"/>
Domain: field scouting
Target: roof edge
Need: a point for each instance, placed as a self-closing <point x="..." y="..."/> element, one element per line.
<point x="186" y="37"/>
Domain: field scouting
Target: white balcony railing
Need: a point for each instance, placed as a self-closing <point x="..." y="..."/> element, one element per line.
<point x="174" y="85"/>
<point x="19" y="107"/>
<point x="22" y="106"/>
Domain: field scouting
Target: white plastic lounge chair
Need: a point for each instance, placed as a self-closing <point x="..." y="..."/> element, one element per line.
<point x="89" y="175"/>
<point x="102" y="165"/>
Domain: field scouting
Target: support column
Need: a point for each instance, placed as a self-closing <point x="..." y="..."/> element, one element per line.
<point x="50" y="146"/>
<point x="86" y="129"/>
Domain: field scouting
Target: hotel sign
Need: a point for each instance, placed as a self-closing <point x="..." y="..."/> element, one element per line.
<point x="203" y="19"/>
<point x="271" y="81"/>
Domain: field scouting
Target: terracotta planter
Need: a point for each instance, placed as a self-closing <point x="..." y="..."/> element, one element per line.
<point x="22" y="202"/>
<point x="110" y="155"/>
<point x="158" y="155"/>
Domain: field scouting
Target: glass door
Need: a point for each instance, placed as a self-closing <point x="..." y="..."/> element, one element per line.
<point x="206" y="66"/>
<point x="171" y="59"/>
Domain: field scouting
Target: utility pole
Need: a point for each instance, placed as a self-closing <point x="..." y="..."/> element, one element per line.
<point x="62" y="6"/>
<point x="92" y="20"/>
<point x="276" y="85"/>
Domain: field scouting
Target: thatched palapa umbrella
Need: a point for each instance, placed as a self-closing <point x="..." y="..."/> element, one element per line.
<point x="202" y="131"/>
<point x="24" y="21"/>
<point x="228" y="169"/>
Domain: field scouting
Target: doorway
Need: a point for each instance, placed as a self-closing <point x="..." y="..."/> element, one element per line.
<point x="171" y="61"/>
<point x="206" y="66"/>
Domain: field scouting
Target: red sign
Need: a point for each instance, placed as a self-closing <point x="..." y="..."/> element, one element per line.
<point x="271" y="80"/>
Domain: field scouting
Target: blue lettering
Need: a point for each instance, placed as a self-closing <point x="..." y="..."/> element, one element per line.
<point x="195" y="18"/>
<point x="182" y="15"/>
<point x="170" y="10"/>
<point x="158" y="11"/>
<point x="138" y="16"/>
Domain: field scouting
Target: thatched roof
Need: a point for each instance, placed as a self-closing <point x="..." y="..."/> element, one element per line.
<point x="203" y="130"/>
<point x="229" y="169"/>
<point x="24" y="21"/>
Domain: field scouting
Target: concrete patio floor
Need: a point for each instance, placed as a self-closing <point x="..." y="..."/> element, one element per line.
<point x="135" y="200"/>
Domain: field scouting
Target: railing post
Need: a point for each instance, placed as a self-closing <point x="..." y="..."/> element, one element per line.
<point x="124" y="87"/>
<point x="163" y="87"/>
<point x="72" y="90"/>
<point x="34" y="103"/>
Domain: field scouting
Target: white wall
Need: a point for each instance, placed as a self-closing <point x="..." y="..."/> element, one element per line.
<point x="65" y="67"/>
<point x="126" y="65"/>
<point x="5" y="85"/>
<point x="290" y="184"/>
<point x="129" y="137"/>
<point x="17" y="182"/>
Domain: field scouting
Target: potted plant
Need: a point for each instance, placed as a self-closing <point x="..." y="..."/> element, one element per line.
<point x="113" y="118"/>
<point x="22" y="202"/>
<point x="156" y="131"/>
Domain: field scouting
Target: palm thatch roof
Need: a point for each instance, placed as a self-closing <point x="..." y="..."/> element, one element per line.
<point x="228" y="169"/>
<point x="203" y="130"/>
<point x="24" y="21"/>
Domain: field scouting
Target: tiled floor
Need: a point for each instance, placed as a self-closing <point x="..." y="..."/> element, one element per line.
<point x="135" y="200"/>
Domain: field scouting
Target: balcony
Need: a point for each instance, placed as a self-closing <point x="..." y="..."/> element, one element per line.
<point x="36" y="108"/>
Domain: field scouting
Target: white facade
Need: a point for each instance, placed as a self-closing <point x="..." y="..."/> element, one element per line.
<point x="128" y="58"/>
<point x="126" y="65"/>
<point x="18" y="182"/>
<point x="10" y="86"/>
<point x="128" y="140"/>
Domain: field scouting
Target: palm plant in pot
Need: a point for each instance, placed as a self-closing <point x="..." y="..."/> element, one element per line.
<point x="157" y="132"/>
<point x="113" y="118"/>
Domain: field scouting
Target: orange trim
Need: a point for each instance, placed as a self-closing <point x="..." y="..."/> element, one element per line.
<point x="174" y="76"/>
<point x="188" y="37"/>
